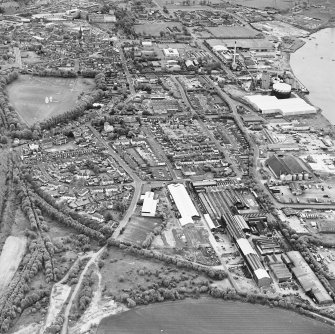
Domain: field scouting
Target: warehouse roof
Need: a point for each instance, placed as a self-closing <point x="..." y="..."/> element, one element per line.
<point x="245" y="246"/>
<point x="184" y="203"/>
<point x="270" y="104"/>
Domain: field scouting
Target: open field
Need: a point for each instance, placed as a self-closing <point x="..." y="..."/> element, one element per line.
<point x="10" y="259"/>
<point x="27" y="94"/>
<point x="207" y="316"/>
<point x="138" y="228"/>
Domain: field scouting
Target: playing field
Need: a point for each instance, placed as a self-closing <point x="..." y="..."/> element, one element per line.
<point x="28" y="95"/>
<point x="207" y="316"/>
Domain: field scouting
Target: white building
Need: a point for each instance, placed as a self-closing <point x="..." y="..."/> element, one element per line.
<point x="149" y="204"/>
<point x="171" y="53"/>
<point x="267" y="104"/>
<point x="184" y="204"/>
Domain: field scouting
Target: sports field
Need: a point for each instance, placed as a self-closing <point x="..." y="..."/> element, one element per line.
<point x="28" y="94"/>
<point x="209" y="316"/>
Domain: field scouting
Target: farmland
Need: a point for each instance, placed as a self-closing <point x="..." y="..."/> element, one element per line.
<point x="225" y="317"/>
<point x="27" y="94"/>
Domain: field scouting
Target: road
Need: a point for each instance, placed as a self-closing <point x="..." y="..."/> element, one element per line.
<point x="125" y="68"/>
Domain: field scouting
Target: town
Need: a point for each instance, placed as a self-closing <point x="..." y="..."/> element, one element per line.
<point x="160" y="150"/>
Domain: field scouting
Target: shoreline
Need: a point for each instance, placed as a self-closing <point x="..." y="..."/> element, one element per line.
<point x="288" y="64"/>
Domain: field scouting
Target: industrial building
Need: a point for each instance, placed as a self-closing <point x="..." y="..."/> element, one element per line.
<point x="171" y="53"/>
<point x="278" y="268"/>
<point x="254" y="264"/>
<point x="326" y="227"/>
<point x="287" y="168"/>
<point x="184" y="204"/>
<point x="267" y="246"/>
<point x="267" y="104"/>
<point x="307" y="279"/>
<point x="149" y="204"/>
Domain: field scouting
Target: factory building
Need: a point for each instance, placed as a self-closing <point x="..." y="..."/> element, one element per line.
<point x="149" y="204"/>
<point x="307" y="279"/>
<point x="184" y="204"/>
<point x="287" y="168"/>
<point x="279" y="269"/>
<point x="253" y="262"/>
<point x="293" y="106"/>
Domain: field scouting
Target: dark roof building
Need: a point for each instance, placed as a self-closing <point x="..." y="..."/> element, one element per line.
<point x="286" y="166"/>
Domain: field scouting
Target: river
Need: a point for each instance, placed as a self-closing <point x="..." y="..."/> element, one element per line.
<point x="210" y="316"/>
<point x="314" y="66"/>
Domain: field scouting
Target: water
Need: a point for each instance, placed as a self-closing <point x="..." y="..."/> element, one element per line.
<point x="210" y="316"/>
<point x="314" y="66"/>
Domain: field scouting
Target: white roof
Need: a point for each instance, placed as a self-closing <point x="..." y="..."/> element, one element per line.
<point x="245" y="246"/>
<point x="183" y="202"/>
<point x="261" y="273"/>
<point x="282" y="87"/>
<point x="149" y="204"/>
<point x="293" y="106"/>
<point x="209" y="221"/>
<point x="171" y="52"/>
<point x="220" y="48"/>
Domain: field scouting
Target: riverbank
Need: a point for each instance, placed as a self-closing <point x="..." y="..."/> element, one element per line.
<point x="314" y="67"/>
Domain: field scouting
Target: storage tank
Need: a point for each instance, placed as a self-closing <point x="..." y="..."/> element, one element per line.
<point x="300" y="177"/>
<point x="306" y="176"/>
<point x="282" y="177"/>
<point x="281" y="90"/>
<point x="294" y="177"/>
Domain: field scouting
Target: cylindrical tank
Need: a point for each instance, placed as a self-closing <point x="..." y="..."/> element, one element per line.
<point x="281" y="90"/>
<point x="306" y="176"/>
<point x="294" y="177"/>
<point x="282" y="177"/>
<point x="300" y="176"/>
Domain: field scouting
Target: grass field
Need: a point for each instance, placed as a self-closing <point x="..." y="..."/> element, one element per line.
<point x="10" y="259"/>
<point x="208" y="316"/>
<point x="138" y="228"/>
<point x="27" y="94"/>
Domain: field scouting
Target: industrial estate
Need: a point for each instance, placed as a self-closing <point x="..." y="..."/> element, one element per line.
<point x="159" y="150"/>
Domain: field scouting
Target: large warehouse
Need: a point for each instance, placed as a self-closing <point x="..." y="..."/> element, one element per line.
<point x="254" y="264"/>
<point x="184" y="203"/>
<point x="268" y="104"/>
<point x="307" y="279"/>
<point x="288" y="168"/>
